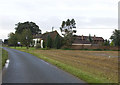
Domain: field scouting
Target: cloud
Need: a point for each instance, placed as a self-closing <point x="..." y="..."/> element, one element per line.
<point x="48" y="13"/>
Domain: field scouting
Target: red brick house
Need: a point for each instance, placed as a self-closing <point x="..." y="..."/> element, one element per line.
<point x="84" y="40"/>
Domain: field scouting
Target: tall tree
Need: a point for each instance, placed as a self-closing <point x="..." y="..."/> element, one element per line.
<point x="49" y="42"/>
<point x="12" y="39"/>
<point x="116" y="37"/>
<point x="28" y="25"/>
<point x="106" y="43"/>
<point x="90" y="38"/>
<point x="57" y="42"/>
<point x="26" y="37"/>
<point x="67" y="30"/>
<point x="112" y="43"/>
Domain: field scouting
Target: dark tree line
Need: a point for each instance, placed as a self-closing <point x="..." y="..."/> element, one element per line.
<point x="27" y="25"/>
<point x="115" y="39"/>
<point x="54" y="43"/>
<point x="24" y="33"/>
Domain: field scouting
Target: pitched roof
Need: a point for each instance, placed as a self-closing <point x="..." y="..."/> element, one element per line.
<point x="51" y="34"/>
<point x="85" y="39"/>
<point x="38" y="36"/>
<point x="97" y="38"/>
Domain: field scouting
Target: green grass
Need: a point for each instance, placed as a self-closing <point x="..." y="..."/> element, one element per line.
<point x="86" y="76"/>
<point x="4" y="57"/>
<point x="32" y="48"/>
<point x="90" y="78"/>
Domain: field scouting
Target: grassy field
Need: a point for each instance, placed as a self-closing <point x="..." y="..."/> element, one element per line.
<point x="4" y="57"/>
<point x="90" y="66"/>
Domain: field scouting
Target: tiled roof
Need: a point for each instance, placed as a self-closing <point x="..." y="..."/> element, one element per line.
<point x="85" y="39"/>
<point x="51" y="34"/>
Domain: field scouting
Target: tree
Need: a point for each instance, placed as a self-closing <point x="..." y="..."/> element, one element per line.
<point x="116" y="37"/>
<point x="49" y="42"/>
<point x="28" y="25"/>
<point x="6" y="41"/>
<point x="90" y="38"/>
<point x="57" y="42"/>
<point x="112" y="43"/>
<point x="67" y="31"/>
<point x="106" y="43"/>
<point x="26" y="38"/>
<point x="12" y="39"/>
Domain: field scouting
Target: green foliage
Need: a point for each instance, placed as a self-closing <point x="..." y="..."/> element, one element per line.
<point x="26" y="37"/>
<point x="49" y="42"/>
<point x="90" y="38"/>
<point x="24" y="34"/>
<point x="106" y="43"/>
<point x="4" y="57"/>
<point x="32" y="43"/>
<point x="44" y="44"/>
<point x="67" y="31"/>
<point x="57" y="42"/>
<point x="12" y="40"/>
<point x="112" y="44"/>
<point x="27" y="25"/>
<point x="116" y="37"/>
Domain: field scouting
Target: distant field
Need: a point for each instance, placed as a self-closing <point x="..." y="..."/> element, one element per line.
<point x="101" y="66"/>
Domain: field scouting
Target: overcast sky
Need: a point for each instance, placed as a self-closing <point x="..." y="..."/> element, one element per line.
<point x="99" y="17"/>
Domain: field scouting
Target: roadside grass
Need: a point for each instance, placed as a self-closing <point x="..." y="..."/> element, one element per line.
<point x="23" y="48"/>
<point x="90" y="78"/>
<point x="90" y="66"/>
<point x="4" y="57"/>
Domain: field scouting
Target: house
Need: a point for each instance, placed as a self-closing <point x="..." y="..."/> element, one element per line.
<point x="78" y="40"/>
<point x="52" y="34"/>
<point x="84" y="40"/>
<point x="38" y="39"/>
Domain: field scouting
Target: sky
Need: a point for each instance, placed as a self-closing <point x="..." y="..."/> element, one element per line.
<point x="95" y="17"/>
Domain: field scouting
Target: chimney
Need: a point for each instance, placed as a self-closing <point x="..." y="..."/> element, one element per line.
<point x="52" y="29"/>
<point x="94" y="36"/>
<point x="82" y="37"/>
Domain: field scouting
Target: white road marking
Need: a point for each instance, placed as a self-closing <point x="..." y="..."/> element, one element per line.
<point x="7" y="63"/>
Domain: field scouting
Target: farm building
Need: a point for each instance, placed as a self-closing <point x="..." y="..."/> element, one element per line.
<point x="84" y="40"/>
<point x="78" y="40"/>
<point x="38" y="39"/>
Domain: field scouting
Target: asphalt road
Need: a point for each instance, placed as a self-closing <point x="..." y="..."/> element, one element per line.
<point x="26" y="68"/>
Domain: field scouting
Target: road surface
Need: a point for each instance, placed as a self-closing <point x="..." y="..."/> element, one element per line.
<point x="26" y="68"/>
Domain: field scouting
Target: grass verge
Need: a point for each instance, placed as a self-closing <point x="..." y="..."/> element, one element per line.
<point x="4" y="57"/>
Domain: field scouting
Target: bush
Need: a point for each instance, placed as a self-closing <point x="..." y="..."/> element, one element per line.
<point x="38" y="46"/>
<point x="57" y="42"/>
<point x="49" y="42"/>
